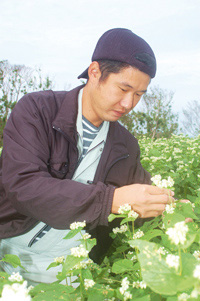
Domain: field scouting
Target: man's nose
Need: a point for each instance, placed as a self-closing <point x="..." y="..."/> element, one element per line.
<point x="127" y="102"/>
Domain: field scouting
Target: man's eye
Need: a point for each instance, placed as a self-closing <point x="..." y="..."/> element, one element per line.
<point x="123" y="89"/>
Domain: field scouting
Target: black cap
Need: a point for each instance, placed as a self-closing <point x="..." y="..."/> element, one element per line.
<point x="122" y="45"/>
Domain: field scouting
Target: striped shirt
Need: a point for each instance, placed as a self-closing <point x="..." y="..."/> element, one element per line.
<point x="89" y="133"/>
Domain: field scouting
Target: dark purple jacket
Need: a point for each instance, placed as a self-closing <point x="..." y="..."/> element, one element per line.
<point x="38" y="161"/>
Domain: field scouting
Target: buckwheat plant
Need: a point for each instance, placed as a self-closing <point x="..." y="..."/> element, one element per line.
<point x="148" y="259"/>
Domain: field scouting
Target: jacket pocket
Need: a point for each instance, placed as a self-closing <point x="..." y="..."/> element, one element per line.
<point x="58" y="170"/>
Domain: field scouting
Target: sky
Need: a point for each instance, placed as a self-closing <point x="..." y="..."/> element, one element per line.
<point x="59" y="36"/>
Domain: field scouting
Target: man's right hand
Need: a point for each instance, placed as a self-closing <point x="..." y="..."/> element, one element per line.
<point x="146" y="200"/>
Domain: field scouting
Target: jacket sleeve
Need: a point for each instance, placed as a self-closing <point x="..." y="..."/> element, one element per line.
<point x="29" y="187"/>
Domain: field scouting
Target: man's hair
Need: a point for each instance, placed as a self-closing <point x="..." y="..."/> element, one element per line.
<point x="108" y="66"/>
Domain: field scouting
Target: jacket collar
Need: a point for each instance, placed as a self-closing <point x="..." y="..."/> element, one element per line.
<point x="65" y="119"/>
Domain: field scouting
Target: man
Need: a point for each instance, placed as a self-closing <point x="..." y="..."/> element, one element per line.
<point x="67" y="159"/>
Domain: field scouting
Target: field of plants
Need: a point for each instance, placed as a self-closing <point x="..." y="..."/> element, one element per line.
<point x="159" y="260"/>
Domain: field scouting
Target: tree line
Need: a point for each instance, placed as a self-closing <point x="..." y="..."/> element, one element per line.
<point x="154" y="118"/>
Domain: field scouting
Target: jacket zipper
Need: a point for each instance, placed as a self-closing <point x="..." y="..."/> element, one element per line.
<point x="60" y="131"/>
<point x="32" y="239"/>
<point x="118" y="159"/>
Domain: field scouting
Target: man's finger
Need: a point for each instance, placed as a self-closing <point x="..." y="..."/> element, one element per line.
<point x="160" y="199"/>
<point x="157" y="190"/>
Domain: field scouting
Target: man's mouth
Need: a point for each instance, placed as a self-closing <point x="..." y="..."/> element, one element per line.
<point x="119" y="113"/>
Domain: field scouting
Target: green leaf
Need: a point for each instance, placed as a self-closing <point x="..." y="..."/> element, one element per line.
<point x="158" y="275"/>
<point x="13" y="260"/>
<point x="122" y="266"/>
<point x="91" y="243"/>
<point x="72" y="233"/>
<point x="52" y="287"/>
<point x="53" y="265"/>
<point x="86" y="274"/>
<point x="186" y="210"/>
<point x="127" y="220"/>
<point x="70" y="262"/>
<point x="112" y="216"/>
<point x="144" y="298"/>
<point x="151" y="234"/>
<point x="170" y="220"/>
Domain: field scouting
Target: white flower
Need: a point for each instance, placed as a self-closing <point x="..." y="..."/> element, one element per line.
<point x="79" y="251"/>
<point x="122" y="229"/>
<point x="196" y="254"/>
<point x="15" y="277"/>
<point x="59" y="259"/>
<point x="127" y="296"/>
<point x="124" y="286"/>
<point x="172" y="261"/>
<point x="195" y="293"/>
<point x="16" y="291"/>
<point x="123" y="209"/>
<point x="170" y="208"/>
<point x="77" y="225"/>
<point x="161" y="251"/>
<point x="133" y="214"/>
<point x="196" y="272"/>
<point x="82" y="264"/>
<point x="86" y="236"/>
<point x="170" y="182"/>
<point x="138" y="234"/>
<point x="183" y="297"/>
<point x="143" y="285"/>
<point x="139" y="284"/>
<point x="157" y="180"/>
<point x="177" y="234"/>
<point x="88" y="283"/>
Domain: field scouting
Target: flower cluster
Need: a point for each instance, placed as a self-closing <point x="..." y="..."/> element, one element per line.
<point x="16" y="291"/>
<point x="196" y="254"/>
<point x="122" y="229"/>
<point x="83" y="264"/>
<point x="177" y="234"/>
<point x="59" y="259"/>
<point x="15" y="277"/>
<point x="161" y="251"/>
<point x="133" y="214"/>
<point x="183" y="297"/>
<point x="138" y="234"/>
<point x="196" y="273"/>
<point x="124" y="285"/>
<point x="79" y="251"/>
<point x="77" y="225"/>
<point x="139" y="284"/>
<point x="86" y="236"/>
<point x="88" y="283"/>
<point x="124" y="209"/>
<point x="157" y="180"/>
<point x="169" y="208"/>
<point x="173" y="261"/>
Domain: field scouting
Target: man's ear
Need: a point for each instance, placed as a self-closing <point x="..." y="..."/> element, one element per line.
<point x="94" y="72"/>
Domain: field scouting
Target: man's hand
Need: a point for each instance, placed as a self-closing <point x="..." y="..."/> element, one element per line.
<point x="146" y="200"/>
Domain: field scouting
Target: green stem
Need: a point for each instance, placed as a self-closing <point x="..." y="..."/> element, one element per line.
<point x="180" y="261"/>
<point x="81" y="285"/>
<point x="133" y="227"/>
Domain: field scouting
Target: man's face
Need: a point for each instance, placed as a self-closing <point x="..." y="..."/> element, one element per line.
<point x="116" y="96"/>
